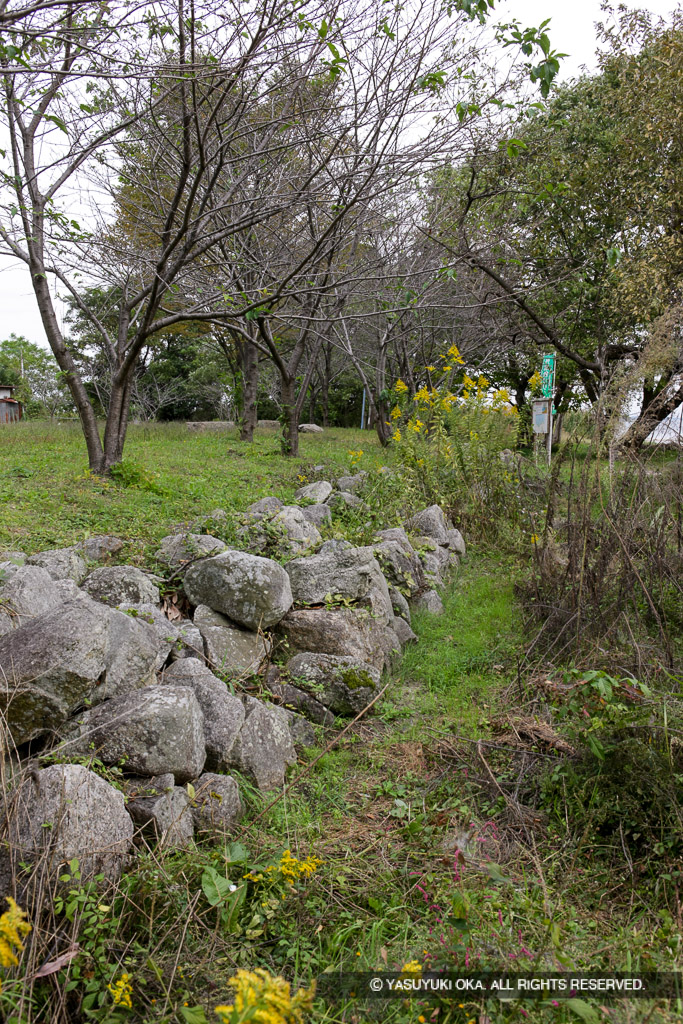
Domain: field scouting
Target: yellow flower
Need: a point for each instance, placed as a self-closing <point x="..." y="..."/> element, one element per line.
<point x="13" y="926"/>
<point x="396" y="436"/>
<point x="431" y="369"/>
<point x="265" y="999"/>
<point x="412" y="967"/>
<point x="291" y="868"/>
<point x="535" y="383"/>
<point x="535" y="538"/>
<point x="400" y="387"/>
<point x="121" y="991"/>
<point x="415" y="425"/>
<point x="454" y="353"/>
<point x="422" y="395"/>
<point x="395" y="412"/>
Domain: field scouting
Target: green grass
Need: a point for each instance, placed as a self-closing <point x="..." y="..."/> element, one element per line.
<point x="50" y="500"/>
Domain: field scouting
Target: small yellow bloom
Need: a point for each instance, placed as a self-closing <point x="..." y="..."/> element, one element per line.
<point x="400" y="387"/>
<point x="431" y="369"/>
<point x="412" y="967"/>
<point x="396" y="436"/>
<point x="265" y="999"/>
<point x="291" y="868"/>
<point x="13" y="926"/>
<point x="121" y="991"/>
<point x="535" y="538"/>
<point x="395" y="412"/>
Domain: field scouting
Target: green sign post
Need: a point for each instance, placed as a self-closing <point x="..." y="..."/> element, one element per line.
<point x="547" y="390"/>
<point x="548" y="375"/>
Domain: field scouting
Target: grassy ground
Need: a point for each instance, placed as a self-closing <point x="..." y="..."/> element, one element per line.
<point x="170" y="475"/>
<point x="424" y="856"/>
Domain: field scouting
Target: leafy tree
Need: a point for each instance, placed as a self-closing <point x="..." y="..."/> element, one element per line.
<point x="35" y="373"/>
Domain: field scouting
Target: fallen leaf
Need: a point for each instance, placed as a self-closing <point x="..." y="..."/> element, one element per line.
<point x="52" y="966"/>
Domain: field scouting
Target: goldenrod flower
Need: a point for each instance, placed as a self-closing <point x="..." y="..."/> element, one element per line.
<point x="265" y="999"/>
<point x="121" y="991"/>
<point x="431" y="369"/>
<point x="454" y="353"/>
<point x="396" y="436"/>
<point x="395" y="412"/>
<point x="412" y="967"/>
<point x="535" y="538"/>
<point x="292" y="868"/>
<point x="422" y="395"/>
<point x="400" y="387"/>
<point x="13" y="926"/>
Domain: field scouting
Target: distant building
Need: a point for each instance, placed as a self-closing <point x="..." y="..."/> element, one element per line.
<point x="10" y="410"/>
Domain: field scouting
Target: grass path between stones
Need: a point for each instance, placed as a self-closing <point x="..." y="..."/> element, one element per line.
<point x="418" y="860"/>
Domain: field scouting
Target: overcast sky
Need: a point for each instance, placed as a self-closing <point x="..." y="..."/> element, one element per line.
<point x="572" y="31"/>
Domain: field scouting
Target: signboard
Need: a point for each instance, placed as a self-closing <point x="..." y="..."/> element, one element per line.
<point x="548" y="375"/>
<point x="540" y="415"/>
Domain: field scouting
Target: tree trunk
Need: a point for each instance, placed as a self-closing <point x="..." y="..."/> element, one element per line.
<point x="654" y="412"/>
<point x="117" y="423"/>
<point x="289" y="416"/>
<point x="68" y="367"/>
<point x="325" y="385"/>
<point x="248" y="419"/>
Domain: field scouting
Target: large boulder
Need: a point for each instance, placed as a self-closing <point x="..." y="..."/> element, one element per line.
<point x="430" y="522"/>
<point x="184" y="547"/>
<point x="341" y="631"/>
<point x="430" y="602"/>
<point x="216" y="805"/>
<point x="131" y="658"/>
<point x="29" y="591"/>
<point x="298" y="533"/>
<point x="151" y="732"/>
<point x="316" y="492"/>
<point x="55" y="815"/>
<point x="252" y="591"/>
<point x="343" y="684"/>
<point x="190" y="642"/>
<point x="345" y="499"/>
<point x="167" y="634"/>
<point x="352" y="483"/>
<point x="317" y="514"/>
<point x="99" y="548"/>
<point x="267" y="504"/>
<point x="341" y="571"/>
<point x="399" y="604"/>
<point x="50" y="665"/>
<point x="293" y="698"/>
<point x="400" y="564"/>
<point x="264" y="746"/>
<point x="161" y="810"/>
<point x="403" y="631"/>
<point x="223" y="712"/>
<point x="310" y="428"/>
<point x="285" y="532"/>
<point x="229" y="650"/>
<point x="61" y="564"/>
<point x="456" y="542"/>
<point x="121" y="584"/>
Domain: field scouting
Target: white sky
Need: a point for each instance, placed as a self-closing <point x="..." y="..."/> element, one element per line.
<point x="572" y="31"/>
